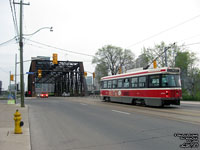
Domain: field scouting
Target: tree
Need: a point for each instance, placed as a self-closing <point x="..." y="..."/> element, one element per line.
<point x="151" y="53"/>
<point x="177" y="56"/>
<point x="101" y="70"/>
<point x="142" y="61"/>
<point x="190" y="73"/>
<point x="111" y="58"/>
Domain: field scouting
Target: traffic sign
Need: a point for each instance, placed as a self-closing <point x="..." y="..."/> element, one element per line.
<point x="30" y="72"/>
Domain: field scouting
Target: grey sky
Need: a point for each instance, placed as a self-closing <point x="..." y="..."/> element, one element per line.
<point x="85" y="25"/>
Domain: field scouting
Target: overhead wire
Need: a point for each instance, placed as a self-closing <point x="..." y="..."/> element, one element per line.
<point x="62" y="49"/>
<point x="7" y="41"/>
<point x="168" y="29"/>
<point x="14" y="19"/>
<point x="48" y="49"/>
<point x="192" y="44"/>
<point x="3" y="70"/>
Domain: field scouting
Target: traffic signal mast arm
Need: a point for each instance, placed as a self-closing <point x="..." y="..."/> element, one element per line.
<point x="158" y="57"/>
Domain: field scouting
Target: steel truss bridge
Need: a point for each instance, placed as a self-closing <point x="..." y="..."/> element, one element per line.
<point x="64" y="77"/>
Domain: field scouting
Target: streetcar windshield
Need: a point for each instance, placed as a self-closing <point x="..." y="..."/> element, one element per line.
<point x="171" y="80"/>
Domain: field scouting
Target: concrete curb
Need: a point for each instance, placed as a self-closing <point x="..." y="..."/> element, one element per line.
<point x="190" y="102"/>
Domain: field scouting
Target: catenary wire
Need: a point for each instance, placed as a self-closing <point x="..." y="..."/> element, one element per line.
<point x="48" y="49"/>
<point x="50" y="46"/>
<point x="168" y="29"/>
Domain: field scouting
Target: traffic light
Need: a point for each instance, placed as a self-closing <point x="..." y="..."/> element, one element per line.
<point x="93" y="75"/>
<point x="11" y="77"/>
<point x="55" y="58"/>
<point x="39" y="73"/>
<point x="120" y="70"/>
<point x="85" y="74"/>
<point x="154" y="64"/>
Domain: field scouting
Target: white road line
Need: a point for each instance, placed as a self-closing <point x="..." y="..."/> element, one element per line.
<point x="83" y="104"/>
<point x="122" y="112"/>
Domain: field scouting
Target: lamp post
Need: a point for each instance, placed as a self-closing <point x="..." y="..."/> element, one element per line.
<point x="21" y="60"/>
<point x="51" y="30"/>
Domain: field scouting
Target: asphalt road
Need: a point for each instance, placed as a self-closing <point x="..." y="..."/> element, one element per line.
<point x="86" y="124"/>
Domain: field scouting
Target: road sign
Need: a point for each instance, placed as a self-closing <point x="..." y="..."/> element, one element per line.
<point x="30" y="72"/>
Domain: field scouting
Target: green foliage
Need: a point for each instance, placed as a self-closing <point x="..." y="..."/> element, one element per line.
<point x="178" y="56"/>
<point x="188" y="97"/>
<point x="158" y="52"/>
<point x="185" y="60"/>
<point x="110" y="58"/>
<point x="101" y="70"/>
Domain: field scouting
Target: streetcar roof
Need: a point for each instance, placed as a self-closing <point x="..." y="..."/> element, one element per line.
<point x="144" y="72"/>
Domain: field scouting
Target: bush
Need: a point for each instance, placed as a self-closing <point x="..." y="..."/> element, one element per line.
<point x="187" y="96"/>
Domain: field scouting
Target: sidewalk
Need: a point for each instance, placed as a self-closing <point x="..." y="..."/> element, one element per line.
<point x="9" y="140"/>
<point x="190" y="102"/>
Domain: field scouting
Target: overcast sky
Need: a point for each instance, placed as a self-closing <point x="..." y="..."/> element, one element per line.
<point x="84" y="26"/>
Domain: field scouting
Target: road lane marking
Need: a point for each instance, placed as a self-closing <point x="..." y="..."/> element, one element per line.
<point x="122" y="112"/>
<point x="83" y="104"/>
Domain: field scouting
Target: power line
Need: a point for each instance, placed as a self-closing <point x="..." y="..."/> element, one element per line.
<point x="7" y="41"/>
<point x="189" y="38"/>
<point x="59" y="48"/>
<point x="3" y="70"/>
<point x="192" y="44"/>
<point x="184" y="22"/>
<point x="14" y="19"/>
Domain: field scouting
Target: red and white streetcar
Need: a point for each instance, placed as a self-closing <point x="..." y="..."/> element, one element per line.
<point x="152" y="87"/>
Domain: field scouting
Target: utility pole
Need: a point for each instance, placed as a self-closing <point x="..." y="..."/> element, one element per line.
<point x="165" y="50"/>
<point x="21" y="52"/>
<point x="15" y="78"/>
<point x="10" y="85"/>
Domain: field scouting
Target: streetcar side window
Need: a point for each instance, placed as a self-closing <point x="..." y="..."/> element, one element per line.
<point x="134" y="82"/>
<point x="142" y="82"/>
<point x="114" y="84"/>
<point x="169" y="80"/>
<point x="119" y="83"/>
<point x="109" y="84"/>
<point x="104" y="84"/>
<point x="154" y="81"/>
<point x="126" y="83"/>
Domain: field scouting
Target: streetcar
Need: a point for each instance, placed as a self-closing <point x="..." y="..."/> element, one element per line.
<point x="151" y="87"/>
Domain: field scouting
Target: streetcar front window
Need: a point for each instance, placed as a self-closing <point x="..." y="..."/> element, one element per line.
<point x="171" y="80"/>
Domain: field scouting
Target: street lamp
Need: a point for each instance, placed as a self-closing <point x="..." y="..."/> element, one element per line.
<point x="21" y="58"/>
<point x="51" y="30"/>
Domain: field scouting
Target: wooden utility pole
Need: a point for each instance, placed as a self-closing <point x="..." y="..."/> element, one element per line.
<point x="21" y="51"/>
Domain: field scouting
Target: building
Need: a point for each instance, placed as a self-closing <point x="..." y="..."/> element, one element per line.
<point x="0" y="87"/>
<point x="89" y="81"/>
